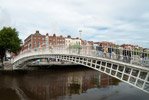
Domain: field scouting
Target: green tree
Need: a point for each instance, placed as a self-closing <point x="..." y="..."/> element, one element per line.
<point x="9" y="41"/>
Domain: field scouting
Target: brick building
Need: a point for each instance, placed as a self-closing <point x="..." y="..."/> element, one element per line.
<point x="34" y="41"/>
<point x="56" y="41"/>
<point x="37" y="40"/>
<point x="104" y="43"/>
<point x="132" y="47"/>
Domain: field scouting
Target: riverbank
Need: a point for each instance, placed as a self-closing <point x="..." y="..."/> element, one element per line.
<point x="36" y="66"/>
<point x="7" y="66"/>
<point x="43" y="67"/>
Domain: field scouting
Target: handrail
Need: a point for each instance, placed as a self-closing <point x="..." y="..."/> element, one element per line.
<point x="126" y="55"/>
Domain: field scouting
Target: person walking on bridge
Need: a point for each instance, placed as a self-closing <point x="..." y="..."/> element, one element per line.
<point x="144" y="57"/>
<point x="128" y="55"/>
<point x="99" y="50"/>
<point x="124" y="55"/>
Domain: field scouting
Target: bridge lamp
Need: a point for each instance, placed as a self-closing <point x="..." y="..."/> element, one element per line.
<point x="80" y="33"/>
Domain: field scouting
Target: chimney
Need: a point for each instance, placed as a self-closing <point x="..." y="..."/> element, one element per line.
<point x="68" y="36"/>
<point x="37" y="31"/>
<point x="47" y="34"/>
<point x="54" y="35"/>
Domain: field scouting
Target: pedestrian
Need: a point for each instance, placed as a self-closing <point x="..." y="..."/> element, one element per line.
<point x="97" y="50"/>
<point x="100" y="50"/>
<point x="144" y="57"/>
<point x="124" y="55"/>
<point x="117" y="53"/>
<point x="129" y="56"/>
<point x="110" y="49"/>
<point x="106" y="52"/>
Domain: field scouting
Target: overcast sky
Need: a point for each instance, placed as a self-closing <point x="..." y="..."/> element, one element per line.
<point x="118" y="21"/>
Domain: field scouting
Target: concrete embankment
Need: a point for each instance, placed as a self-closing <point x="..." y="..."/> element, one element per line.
<point x="7" y="66"/>
<point x="40" y="66"/>
<point x="52" y="64"/>
<point x="43" y="69"/>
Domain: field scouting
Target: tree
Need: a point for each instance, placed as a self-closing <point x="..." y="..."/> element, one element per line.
<point x="9" y="41"/>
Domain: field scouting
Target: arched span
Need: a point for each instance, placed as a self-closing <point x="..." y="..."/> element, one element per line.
<point x="131" y="74"/>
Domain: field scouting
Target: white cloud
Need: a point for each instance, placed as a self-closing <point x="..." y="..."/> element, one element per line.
<point x="120" y="21"/>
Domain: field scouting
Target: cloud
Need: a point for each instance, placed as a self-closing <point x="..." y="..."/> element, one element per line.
<point x="5" y="19"/>
<point x="119" y="21"/>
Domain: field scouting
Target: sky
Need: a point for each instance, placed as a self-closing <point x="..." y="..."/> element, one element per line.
<point x="117" y="21"/>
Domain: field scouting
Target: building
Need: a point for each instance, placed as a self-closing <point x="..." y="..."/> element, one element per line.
<point x="71" y="41"/>
<point x="104" y="43"/>
<point x="58" y="41"/>
<point x="37" y="40"/>
<point x="34" y="41"/>
<point x="132" y="47"/>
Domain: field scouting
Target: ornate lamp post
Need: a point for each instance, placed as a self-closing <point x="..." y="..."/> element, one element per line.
<point x="80" y="33"/>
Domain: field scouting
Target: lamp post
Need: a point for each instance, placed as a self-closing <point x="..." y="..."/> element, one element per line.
<point x="80" y="33"/>
<point x="80" y="40"/>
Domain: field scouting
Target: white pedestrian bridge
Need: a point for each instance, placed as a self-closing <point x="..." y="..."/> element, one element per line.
<point x="134" y="72"/>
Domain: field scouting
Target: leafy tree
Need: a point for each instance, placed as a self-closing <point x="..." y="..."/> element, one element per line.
<point x="9" y="41"/>
<point x="75" y="46"/>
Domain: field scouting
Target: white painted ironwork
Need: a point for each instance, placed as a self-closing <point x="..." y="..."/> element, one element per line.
<point x="135" y="75"/>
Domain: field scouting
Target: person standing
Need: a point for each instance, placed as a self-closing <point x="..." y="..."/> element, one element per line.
<point x="100" y="50"/>
<point x="117" y="53"/>
<point x="129" y="55"/>
<point x="144" y="57"/>
<point x="124" y="55"/>
<point x="110" y="52"/>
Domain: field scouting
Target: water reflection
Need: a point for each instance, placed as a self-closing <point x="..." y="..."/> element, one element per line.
<point x="62" y="85"/>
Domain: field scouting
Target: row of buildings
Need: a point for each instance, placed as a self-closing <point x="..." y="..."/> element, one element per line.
<point x="37" y="40"/>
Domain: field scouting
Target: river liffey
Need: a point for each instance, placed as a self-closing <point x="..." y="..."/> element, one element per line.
<point x="66" y="84"/>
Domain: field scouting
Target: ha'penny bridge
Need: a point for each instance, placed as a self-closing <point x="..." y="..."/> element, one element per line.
<point x="133" y="69"/>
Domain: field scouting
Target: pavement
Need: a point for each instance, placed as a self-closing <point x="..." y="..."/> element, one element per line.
<point x="7" y="66"/>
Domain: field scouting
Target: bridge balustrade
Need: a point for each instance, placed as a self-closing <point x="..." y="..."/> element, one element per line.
<point x="131" y="56"/>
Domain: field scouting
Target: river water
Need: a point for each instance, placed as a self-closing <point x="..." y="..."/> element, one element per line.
<point x="66" y="84"/>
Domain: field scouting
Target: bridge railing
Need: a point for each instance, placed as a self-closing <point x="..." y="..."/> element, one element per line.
<point x="127" y="55"/>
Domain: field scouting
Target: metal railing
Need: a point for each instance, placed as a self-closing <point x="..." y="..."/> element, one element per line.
<point x="131" y="56"/>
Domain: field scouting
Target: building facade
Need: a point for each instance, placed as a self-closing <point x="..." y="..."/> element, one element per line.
<point x="37" y="40"/>
<point x="72" y="41"/>
<point x="104" y="43"/>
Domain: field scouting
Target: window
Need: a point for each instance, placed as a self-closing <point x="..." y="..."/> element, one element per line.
<point x="53" y="39"/>
<point x="50" y="39"/>
<point x="38" y="38"/>
<point x="38" y="42"/>
<point x="53" y="43"/>
<point x="34" y="37"/>
<point x="42" y="38"/>
<point x="34" y="42"/>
